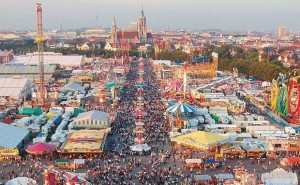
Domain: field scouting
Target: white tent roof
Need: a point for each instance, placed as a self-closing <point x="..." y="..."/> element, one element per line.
<point x="279" y="176"/>
<point x="202" y="177"/>
<point x="12" y="87"/>
<point x="224" y="176"/>
<point x="140" y="147"/>
<point x="73" y="86"/>
<point x="11" y="136"/>
<point x="21" y="181"/>
<point x="50" y="58"/>
<point x="96" y="115"/>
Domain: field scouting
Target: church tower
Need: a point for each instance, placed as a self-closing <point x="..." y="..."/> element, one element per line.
<point x="113" y="33"/>
<point x="142" y="28"/>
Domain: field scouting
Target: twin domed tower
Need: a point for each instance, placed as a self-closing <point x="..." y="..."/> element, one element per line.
<point x="137" y="35"/>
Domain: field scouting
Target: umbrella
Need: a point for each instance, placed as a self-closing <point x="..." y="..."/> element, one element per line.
<point x="140" y="147"/>
<point x="139" y="123"/>
<point x="111" y="84"/>
<point x="182" y="107"/>
<point x="140" y="84"/>
<point x="40" y="148"/>
<point x="140" y="113"/>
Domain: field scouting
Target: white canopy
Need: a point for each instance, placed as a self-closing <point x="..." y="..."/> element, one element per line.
<point x="202" y="177"/>
<point x="73" y="86"/>
<point x="279" y="176"/>
<point x="79" y="161"/>
<point x="140" y="147"/>
<point x="21" y="181"/>
<point x="139" y="123"/>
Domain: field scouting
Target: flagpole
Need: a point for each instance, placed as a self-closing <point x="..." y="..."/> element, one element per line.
<point x="185" y="80"/>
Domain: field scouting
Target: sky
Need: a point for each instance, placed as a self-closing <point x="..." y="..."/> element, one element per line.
<point x="227" y="15"/>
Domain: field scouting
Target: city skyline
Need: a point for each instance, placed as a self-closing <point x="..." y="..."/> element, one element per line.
<point x="227" y="15"/>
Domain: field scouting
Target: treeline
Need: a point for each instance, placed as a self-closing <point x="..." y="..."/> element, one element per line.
<point x="99" y="52"/>
<point x="247" y="62"/>
<point x="173" y="55"/>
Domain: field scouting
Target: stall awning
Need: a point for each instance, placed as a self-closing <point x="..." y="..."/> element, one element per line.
<point x="79" y="161"/>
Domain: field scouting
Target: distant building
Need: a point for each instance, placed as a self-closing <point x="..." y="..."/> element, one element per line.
<point x="50" y="58"/>
<point x="282" y="31"/>
<point x="137" y="33"/>
<point x="9" y="36"/>
<point x="133" y="26"/>
<point x="98" y="33"/>
<point x="92" y="120"/>
<point x="30" y="71"/>
<point x="6" y="56"/>
<point x="16" y="87"/>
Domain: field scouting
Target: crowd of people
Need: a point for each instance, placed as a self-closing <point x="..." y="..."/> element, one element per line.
<point x="163" y="164"/>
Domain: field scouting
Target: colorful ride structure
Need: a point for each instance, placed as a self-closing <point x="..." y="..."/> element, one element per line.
<point x="55" y="176"/>
<point x="285" y="96"/>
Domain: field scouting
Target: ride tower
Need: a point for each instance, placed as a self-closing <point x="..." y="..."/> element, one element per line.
<point x="40" y="40"/>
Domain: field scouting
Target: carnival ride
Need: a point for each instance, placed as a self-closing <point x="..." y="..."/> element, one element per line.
<point x="53" y="176"/>
<point x="285" y="96"/>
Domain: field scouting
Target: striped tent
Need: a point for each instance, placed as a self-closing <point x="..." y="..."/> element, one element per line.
<point x="182" y="107"/>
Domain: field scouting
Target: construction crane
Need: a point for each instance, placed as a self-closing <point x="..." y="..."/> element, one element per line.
<point x="40" y="42"/>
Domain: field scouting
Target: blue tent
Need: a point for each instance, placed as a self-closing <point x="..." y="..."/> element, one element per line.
<point x="211" y="161"/>
<point x="57" y="121"/>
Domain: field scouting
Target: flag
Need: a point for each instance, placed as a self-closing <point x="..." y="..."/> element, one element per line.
<point x="190" y="96"/>
<point x="185" y="65"/>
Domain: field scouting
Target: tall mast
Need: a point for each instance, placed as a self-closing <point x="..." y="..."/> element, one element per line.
<point x="185" y="80"/>
<point x="40" y="42"/>
<point x="122" y="45"/>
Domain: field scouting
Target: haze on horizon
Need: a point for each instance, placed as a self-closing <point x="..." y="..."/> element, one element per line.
<point x="231" y="15"/>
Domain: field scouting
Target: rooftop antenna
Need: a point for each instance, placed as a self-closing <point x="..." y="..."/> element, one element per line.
<point x="97" y="19"/>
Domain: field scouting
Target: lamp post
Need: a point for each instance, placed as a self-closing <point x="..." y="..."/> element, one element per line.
<point x="101" y="102"/>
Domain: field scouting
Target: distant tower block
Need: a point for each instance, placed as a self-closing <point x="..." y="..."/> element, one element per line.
<point x="282" y="31"/>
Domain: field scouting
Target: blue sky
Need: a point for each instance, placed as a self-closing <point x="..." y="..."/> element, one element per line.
<point x="238" y="15"/>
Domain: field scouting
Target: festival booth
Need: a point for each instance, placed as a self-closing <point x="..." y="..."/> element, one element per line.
<point x="254" y="152"/>
<point x="290" y="161"/>
<point x="41" y="149"/>
<point x="193" y="163"/>
<point x="70" y="164"/>
<point x="202" y="141"/>
<point x="92" y="120"/>
<point x="83" y="143"/>
<point x="202" y="179"/>
<point x="233" y="151"/>
<point x="7" y="154"/>
<point x="225" y="178"/>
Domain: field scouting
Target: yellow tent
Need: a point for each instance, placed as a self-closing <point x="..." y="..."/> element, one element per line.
<point x="200" y="140"/>
<point x="50" y="114"/>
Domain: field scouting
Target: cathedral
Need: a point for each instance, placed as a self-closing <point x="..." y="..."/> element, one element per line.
<point x="135" y="36"/>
